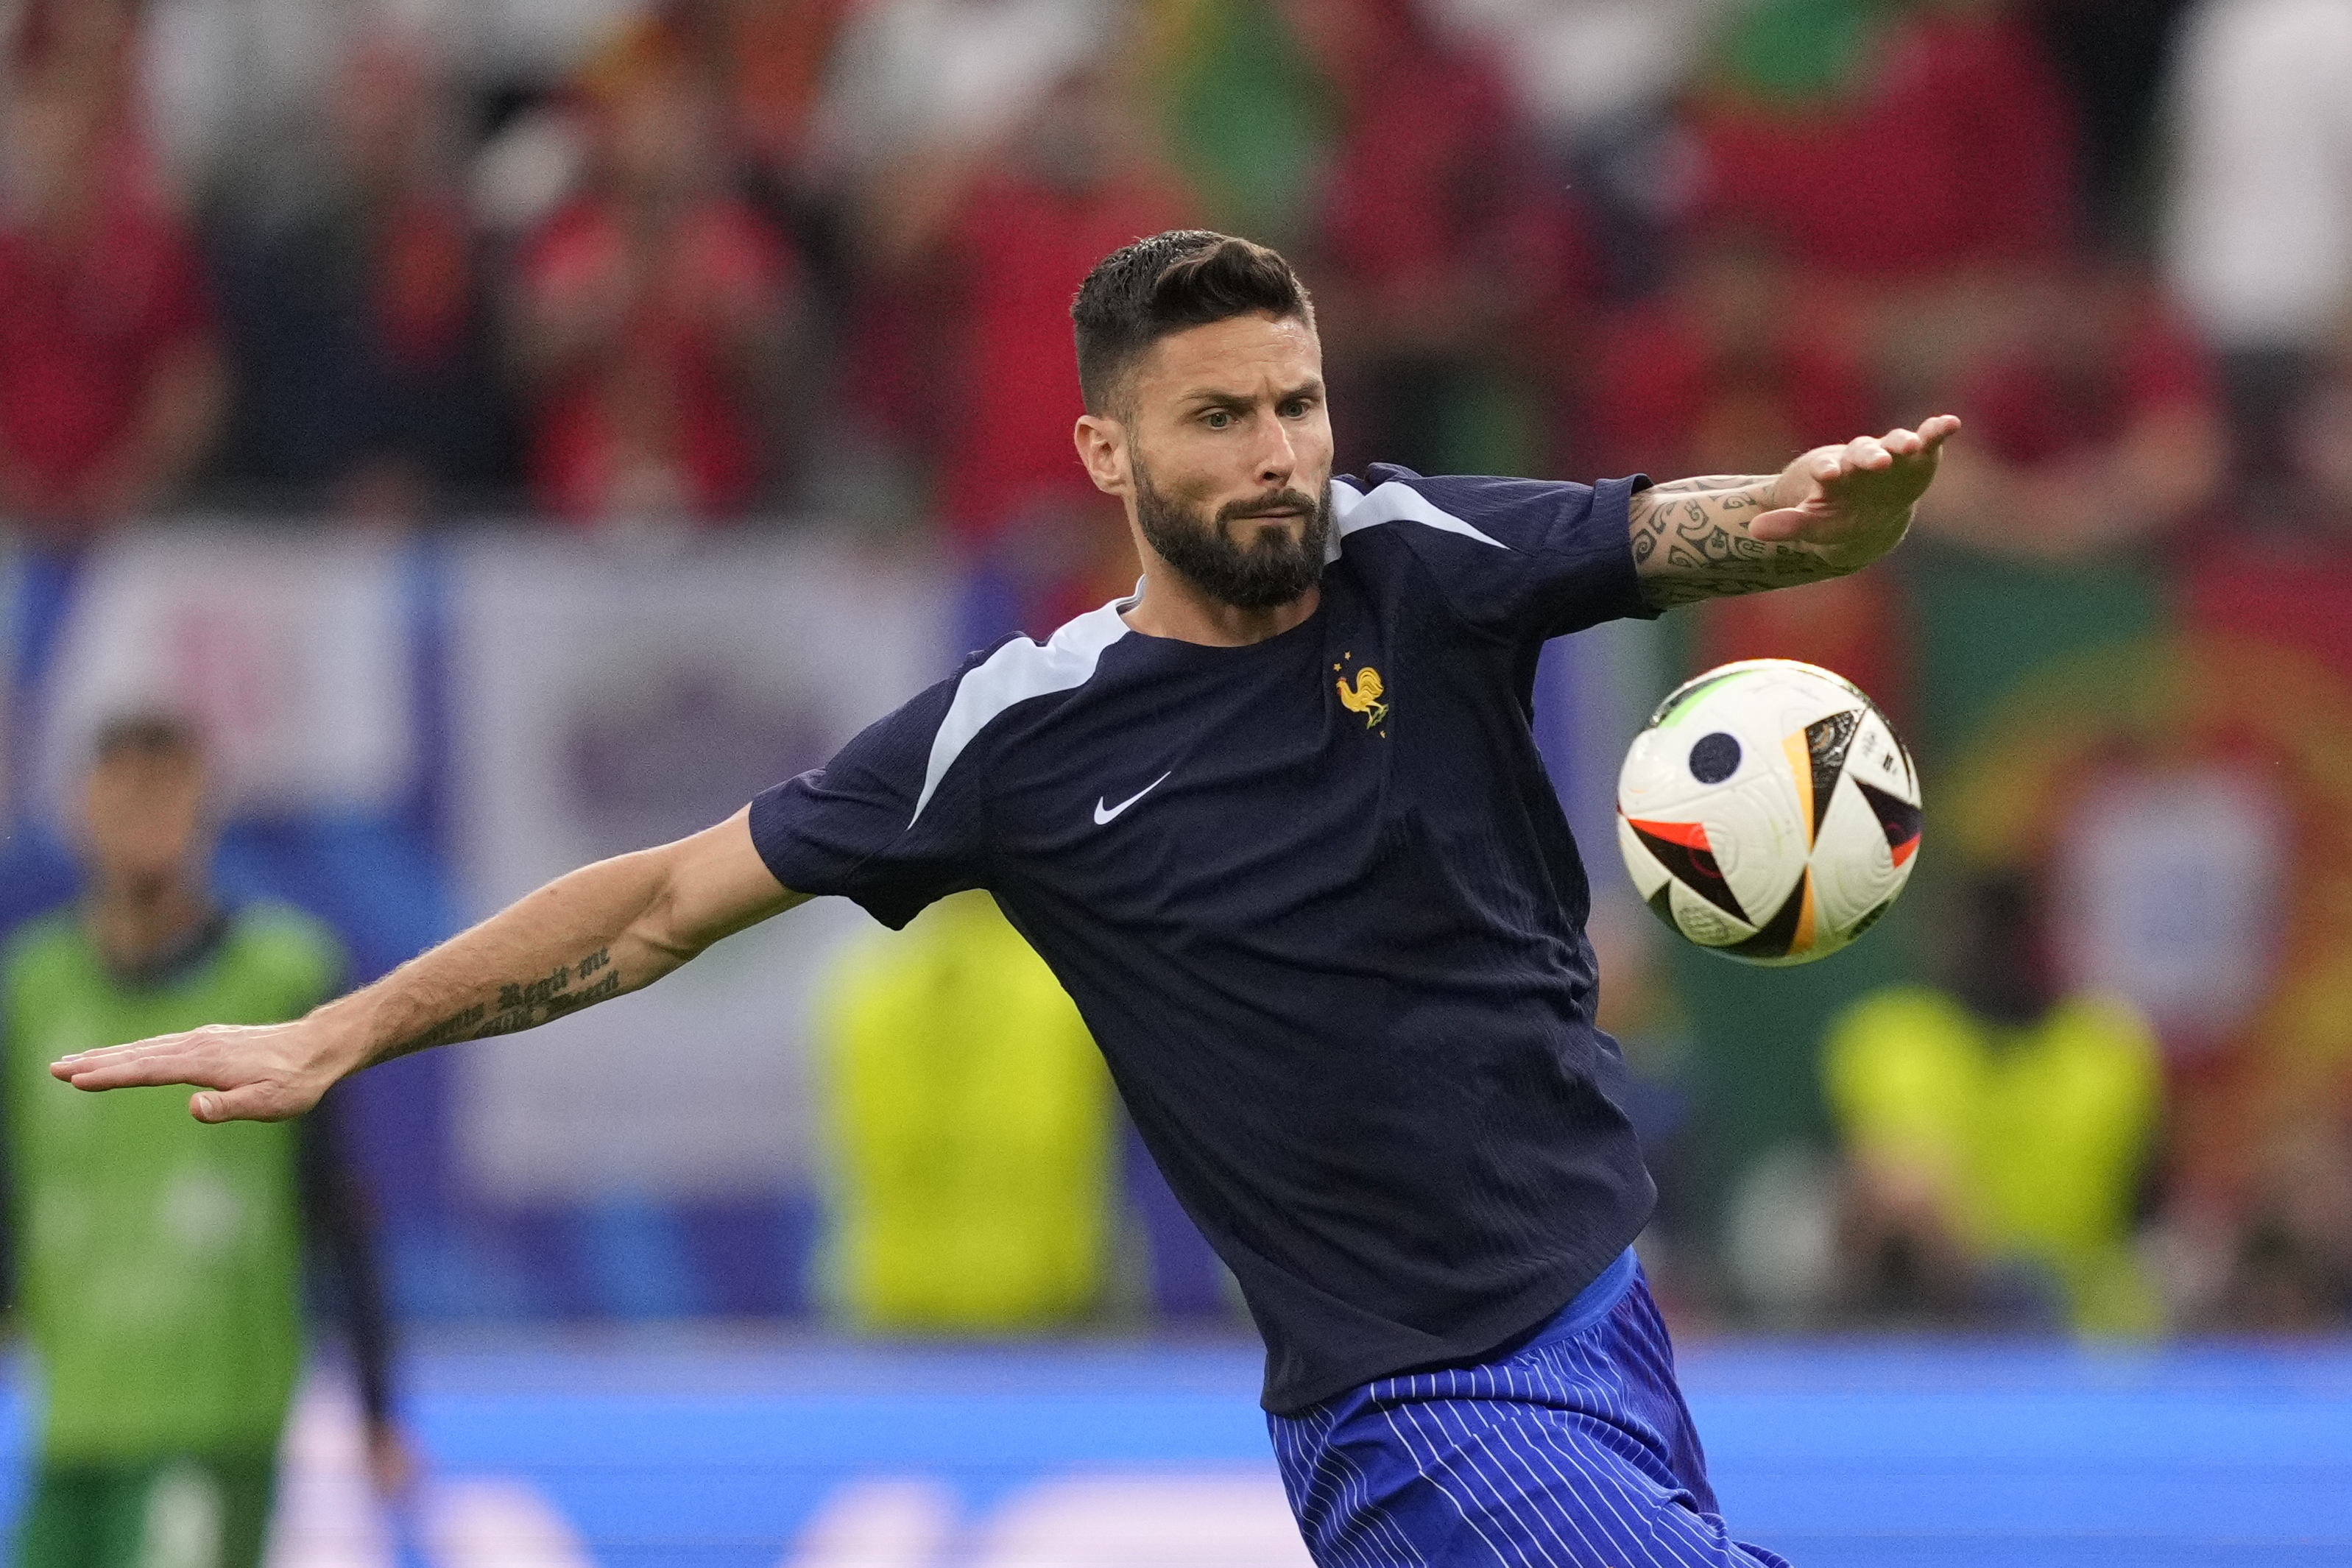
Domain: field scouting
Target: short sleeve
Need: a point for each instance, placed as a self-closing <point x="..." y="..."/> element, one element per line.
<point x="1520" y="559"/>
<point x="872" y="826"/>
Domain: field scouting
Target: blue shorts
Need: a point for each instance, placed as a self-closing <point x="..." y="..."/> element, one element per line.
<point x="1570" y="1448"/>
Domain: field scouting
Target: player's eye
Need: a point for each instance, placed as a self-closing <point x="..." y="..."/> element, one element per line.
<point x="1295" y="408"/>
<point x="1218" y="418"/>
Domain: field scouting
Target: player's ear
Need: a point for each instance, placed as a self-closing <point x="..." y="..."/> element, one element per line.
<point x="1102" y="448"/>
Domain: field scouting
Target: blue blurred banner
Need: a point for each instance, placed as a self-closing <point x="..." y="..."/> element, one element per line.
<point x="1919" y="1454"/>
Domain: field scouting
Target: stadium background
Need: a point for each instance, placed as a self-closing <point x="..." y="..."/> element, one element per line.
<point x="470" y="579"/>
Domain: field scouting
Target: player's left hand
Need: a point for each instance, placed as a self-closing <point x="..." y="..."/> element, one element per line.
<point x="249" y="1072"/>
<point x="1853" y="502"/>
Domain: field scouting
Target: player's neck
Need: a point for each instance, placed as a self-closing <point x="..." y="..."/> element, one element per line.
<point x="1172" y="607"/>
<point x="134" y="920"/>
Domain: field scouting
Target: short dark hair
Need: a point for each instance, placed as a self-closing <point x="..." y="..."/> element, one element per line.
<point x="147" y="732"/>
<point x="1184" y="278"/>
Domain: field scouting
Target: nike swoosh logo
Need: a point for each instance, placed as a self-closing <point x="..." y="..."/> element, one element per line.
<point x="1103" y="814"/>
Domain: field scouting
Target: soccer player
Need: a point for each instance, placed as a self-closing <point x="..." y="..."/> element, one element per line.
<point x="1278" y="823"/>
<point x="158" y="1263"/>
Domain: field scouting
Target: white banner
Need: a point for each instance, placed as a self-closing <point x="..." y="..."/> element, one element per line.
<point x="605" y="701"/>
<point x="290" y="650"/>
<point x="2172" y="885"/>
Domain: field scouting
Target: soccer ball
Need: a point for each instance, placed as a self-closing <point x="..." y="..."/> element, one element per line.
<point x="1768" y="812"/>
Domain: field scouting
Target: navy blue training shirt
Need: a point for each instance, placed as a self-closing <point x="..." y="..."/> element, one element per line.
<point x="1317" y="901"/>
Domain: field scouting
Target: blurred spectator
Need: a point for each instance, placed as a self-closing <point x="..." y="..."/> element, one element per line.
<point x="1077" y="182"/>
<point x="2260" y="230"/>
<point x="1249" y="118"/>
<point x="768" y="62"/>
<point x="921" y="99"/>
<point x="1602" y="80"/>
<point x="355" y="320"/>
<point x="2093" y="422"/>
<point x="1447" y="266"/>
<point x="2290" y="1269"/>
<point x="1731" y="369"/>
<point x="114" y="383"/>
<point x="972" y="1132"/>
<point x="1998" y="1136"/>
<point x="767" y="59"/>
<point x="157" y="1260"/>
<point x="651" y="314"/>
<point x="996" y="154"/>
<point x="2319" y="440"/>
<point x="923" y="91"/>
<point x="1952" y="102"/>
<point x="1583" y="66"/>
<point x="2113" y="56"/>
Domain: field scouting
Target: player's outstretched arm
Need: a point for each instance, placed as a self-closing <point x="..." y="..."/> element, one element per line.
<point x="1832" y="512"/>
<point x="584" y="938"/>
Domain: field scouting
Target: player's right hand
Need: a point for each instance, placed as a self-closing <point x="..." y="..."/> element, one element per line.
<point x="245" y="1072"/>
<point x="1853" y="502"/>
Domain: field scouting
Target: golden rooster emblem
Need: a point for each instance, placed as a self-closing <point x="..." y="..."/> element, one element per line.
<point x="1365" y="698"/>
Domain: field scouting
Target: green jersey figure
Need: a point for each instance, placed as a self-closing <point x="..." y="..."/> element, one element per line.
<point x="158" y="1263"/>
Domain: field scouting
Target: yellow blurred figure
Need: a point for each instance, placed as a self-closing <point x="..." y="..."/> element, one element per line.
<point x="1989" y="1130"/>
<point x="970" y="1132"/>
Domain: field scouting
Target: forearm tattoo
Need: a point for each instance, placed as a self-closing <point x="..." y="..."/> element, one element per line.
<point x="1711" y="482"/>
<point x="1691" y="542"/>
<point x="521" y="1005"/>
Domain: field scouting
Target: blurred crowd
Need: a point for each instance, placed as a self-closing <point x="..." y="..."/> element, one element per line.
<point x="704" y="262"/>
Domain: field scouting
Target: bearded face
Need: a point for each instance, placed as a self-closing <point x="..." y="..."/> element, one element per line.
<point x="1232" y="555"/>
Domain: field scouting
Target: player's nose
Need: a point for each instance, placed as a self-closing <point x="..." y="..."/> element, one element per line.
<point x="1277" y="459"/>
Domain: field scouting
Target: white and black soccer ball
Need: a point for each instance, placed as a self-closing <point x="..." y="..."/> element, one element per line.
<point x="1768" y="812"/>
